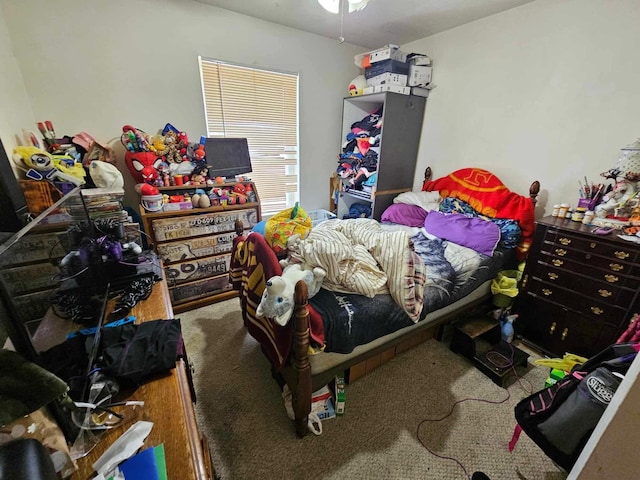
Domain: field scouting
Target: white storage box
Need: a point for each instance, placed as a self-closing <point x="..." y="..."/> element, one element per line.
<point x="419" y="75"/>
<point x="319" y="216"/>
<point x="388" y="52"/>
<point x="388" y="78"/>
<point x="388" y="88"/>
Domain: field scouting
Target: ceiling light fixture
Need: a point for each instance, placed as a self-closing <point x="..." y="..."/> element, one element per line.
<point x="333" y="6"/>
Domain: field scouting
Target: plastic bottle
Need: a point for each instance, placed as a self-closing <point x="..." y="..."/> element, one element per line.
<point x="507" y="328"/>
<point x="556" y="210"/>
<point x="564" y="208"/>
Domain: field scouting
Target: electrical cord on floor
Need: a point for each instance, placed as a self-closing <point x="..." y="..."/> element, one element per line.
<point x="500" y="361"/>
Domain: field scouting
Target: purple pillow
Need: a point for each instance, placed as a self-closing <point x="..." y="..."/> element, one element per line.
<point x="404" y="214"/>
<point x="475" y="233"/>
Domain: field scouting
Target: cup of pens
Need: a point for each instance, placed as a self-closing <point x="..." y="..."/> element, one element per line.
<point x="591" y="194"/>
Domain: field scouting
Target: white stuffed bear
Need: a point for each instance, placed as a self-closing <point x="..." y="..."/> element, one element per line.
<point x="277" y="299"/>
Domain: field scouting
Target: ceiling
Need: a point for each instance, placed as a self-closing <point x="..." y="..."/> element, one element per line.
<point x="381" y="22"/>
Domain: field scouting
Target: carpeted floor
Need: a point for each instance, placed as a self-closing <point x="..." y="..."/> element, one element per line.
<point x="240" y="410"/>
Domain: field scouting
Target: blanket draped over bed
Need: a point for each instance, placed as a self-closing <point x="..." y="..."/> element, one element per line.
<point x="360" y="257"/>
<point x="252" y="264"/>
<point x="488" y="196"/>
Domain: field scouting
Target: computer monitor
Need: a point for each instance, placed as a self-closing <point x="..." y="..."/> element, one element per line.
<point x="227" y="157"/>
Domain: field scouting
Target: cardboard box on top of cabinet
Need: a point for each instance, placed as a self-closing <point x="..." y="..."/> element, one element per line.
<point x="419" y="75"/>
<point x="388" y="78"/>
<point x="387" y="88"/>
<point x="388" y="52"/>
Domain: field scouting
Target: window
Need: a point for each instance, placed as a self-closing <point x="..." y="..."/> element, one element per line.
<point x="262" y="106"/>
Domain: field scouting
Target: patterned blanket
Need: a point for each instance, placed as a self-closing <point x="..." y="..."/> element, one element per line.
<point x="253" y="262"/>
<point x="360" y="257"/>
<point x="488" y="196"/>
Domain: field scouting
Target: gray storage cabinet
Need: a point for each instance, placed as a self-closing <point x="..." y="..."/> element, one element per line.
<point x="397" y="151"/>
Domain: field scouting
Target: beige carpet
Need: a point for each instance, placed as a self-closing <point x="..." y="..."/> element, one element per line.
<point x="239" y="409"/>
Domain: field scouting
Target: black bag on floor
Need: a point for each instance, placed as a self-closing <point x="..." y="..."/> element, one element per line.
<point x="561" y="418"/>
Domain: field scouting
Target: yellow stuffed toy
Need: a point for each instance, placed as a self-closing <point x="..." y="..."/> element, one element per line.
<point x="280" y="227"/>
<point x="41" y="165"/>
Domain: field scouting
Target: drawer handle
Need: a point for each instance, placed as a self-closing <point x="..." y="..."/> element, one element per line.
<point x="564" y="241"/>
<point x="593" y="245"/>
<point x="561" y="252"/>
<point x="547" y="292"/>
<point x="564" y="334"/>
<point x="616" y="267"/>
<point x="597" y="310"/>
<point x="604" y="293"/>
<point x="557" y="262"/>
<point x="621" y="255"/>
<point x="553" y="276"/>
<point x="611" y="278"/>
<point x="552" y="328"/>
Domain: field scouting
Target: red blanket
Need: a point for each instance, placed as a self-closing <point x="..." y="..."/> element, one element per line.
<point x="489" y="196"/>
<point x="253" y="263"/>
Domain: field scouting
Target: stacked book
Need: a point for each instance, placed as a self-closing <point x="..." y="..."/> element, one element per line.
<point x="105" y="203"/>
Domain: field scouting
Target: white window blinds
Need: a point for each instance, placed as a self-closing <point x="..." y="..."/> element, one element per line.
<point x="261" y="106"/>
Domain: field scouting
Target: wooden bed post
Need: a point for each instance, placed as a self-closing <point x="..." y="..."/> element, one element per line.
<point x="301" y="391"/>
<point x="534" y="190"/>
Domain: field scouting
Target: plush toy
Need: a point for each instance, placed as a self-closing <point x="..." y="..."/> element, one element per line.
<point x="623" y="191"/>
<point x="41" y="165"/>
<point x="278" y="296"/>
<point x="199" y="175"/>
<point x="143" y="166"/>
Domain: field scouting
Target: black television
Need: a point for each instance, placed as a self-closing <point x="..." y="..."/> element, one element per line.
<point x="227" y="157"/>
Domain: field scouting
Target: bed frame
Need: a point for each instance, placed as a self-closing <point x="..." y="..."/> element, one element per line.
<point x="305" y="373"/>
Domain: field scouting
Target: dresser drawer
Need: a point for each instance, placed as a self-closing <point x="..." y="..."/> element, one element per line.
<point x="592" y="260"/>
<point x="598" y="289"/>
<point x="597" y="310"/>
<point x="592" y="270"/>
<point x="589" y="245"/>
<point x="557" y="330"/>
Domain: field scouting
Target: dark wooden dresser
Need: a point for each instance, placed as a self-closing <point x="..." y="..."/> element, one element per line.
<point x="579" y="290"/>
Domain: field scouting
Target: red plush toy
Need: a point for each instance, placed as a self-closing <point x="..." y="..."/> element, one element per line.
<point x="143" y="166"/>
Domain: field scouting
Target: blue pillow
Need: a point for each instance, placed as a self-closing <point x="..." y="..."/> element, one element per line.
<point x="259" y="227"/>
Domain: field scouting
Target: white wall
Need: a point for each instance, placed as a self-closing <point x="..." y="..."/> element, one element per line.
<point x="548" y="91"/>
<point x="96" y="66"/>
<point x="16" y="106"/>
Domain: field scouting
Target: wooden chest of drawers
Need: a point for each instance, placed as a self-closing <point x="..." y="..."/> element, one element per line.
<point x="579" y="290"/>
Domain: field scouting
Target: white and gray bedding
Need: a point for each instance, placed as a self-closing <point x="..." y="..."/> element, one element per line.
<point x="452" y="272"/>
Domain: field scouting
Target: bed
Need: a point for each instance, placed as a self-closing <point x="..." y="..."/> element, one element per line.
<point x="338" y="328"/>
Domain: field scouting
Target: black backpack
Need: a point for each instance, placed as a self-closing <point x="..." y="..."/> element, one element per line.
<point x="561" y="418"/>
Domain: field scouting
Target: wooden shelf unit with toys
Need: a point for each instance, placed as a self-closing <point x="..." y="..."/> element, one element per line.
<point x="195" y="243"/>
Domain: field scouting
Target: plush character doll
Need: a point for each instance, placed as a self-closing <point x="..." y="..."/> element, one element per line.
<point x="143" y="166"/>
<point x="41" y="165"/>
<point x="199" y="175"/>
<point x="278" y="297"/>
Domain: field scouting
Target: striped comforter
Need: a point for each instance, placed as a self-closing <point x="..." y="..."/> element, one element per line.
<point x="360" y="257"/>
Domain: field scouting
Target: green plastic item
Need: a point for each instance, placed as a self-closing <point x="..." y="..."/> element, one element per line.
<point x="505" y="287"/>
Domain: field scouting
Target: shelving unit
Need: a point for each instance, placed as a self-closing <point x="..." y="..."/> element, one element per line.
<point x="195" y="246"/>
<point x="397" y="151"/>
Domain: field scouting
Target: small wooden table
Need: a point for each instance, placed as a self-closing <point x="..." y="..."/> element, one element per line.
<point x="167" y="401"/>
